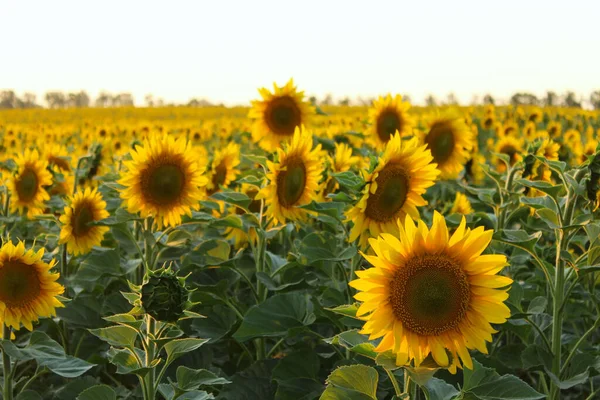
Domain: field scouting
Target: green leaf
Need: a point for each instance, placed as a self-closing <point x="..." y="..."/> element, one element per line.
<point x="347" y="310"/>
<point x="191" y="379"/>
<point x="570" y="382"/>
<point x="119" y="336"/>
<point x="349" y="180"/>
<point x="549" y="217"/>
<point x="332" y="208"/>
<point x="234" y="198"/>
<point x="355" y="342"/>
<point x="352" y="382"/>
<point x="28" y="395"/>
<point x="276" y="316"/>
<point x="48" y="353"/>
<point x="537" y="305"/>
<point x="440" y="390"/>
<point x="178" y="347"/>
<point x="486" y="384"/>
<point x="297" y="376"/>
<point x="125" y="319"/>
<point x="98" y="392"/>
<point x="127" y="363"/>
<point x="387" y="360"/>
<point x="552" y="190"/>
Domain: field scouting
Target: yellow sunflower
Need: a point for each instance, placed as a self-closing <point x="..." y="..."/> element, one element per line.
<point x="342" y="161"/>
<point x="474" y="168"/>
<point x="240" y="236"/>
<point x="27" y="186"/>
<point x="449" y="140"/>
<point x="85" y="207"/>
<point x="293" y="179"/>
<point x="461" y="205"/>
<point x="387" y="116"/>
<point x="278" y="114"/>
<point x="28" y="289"/>
<point x="588" y="150"/>
<point x="223" y="167"/>
<point x="393" y="190"/>
<point x="432" y="293"/>
<point x="163" y="180"/>
<point x="554" y="129"/>
<point x="510" y="146"/>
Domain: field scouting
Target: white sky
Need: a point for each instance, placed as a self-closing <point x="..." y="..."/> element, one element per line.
<point x="224" y="50"/>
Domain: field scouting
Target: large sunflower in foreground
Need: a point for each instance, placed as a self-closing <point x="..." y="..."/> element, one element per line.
<point x="223" y="167"/>
<point x="28" y="289"/>
<point x="86" y="206"/>
<point x="432" y="293"/>
<point x="393" y="190"/>
<point x="27" y="186"/>
<point x="163" y="180"/>
<point x="293" y="179"/>
<point x="449" y="140"/>
<point x="278" y="114"/>
<point x="388" y="116"/>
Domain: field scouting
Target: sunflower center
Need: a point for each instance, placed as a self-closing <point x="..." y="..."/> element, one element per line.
<point x="163" y="184"/>
<point x="388" y="122"/>
<point x="440" y="140"/>
<point x="430" y="294"/>
<point x="390" y="196"/>
<point x="511" y="152"/>
<point x="82" y="216"/>
<point x="283" y="115"/>
<point x="27" y="185"/>
<point x="291" y="182"/>
<point x="19" y="283"/>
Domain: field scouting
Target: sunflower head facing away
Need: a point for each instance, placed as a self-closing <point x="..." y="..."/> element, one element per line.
<point x="293" y="179"/>
<point x="430" y="292"/>
<point x="393" y="190"/>
<point x="27" y="186"/>
<point x="449" y="139"/>
<point x="163" y="180"/>
<point x="85" y="207"/>
<point x="278" y="114"/>
<point x="461" y="205"/>
<point x="388" y="116"/>
<point x="223" y="169"/>
<point x="511" y="147"/>
<point x="28" y="289"/>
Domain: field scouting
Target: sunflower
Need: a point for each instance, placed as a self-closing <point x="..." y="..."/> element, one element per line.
<point x="588" y="150"/>
<point x="388" y="116"/>
<point x="57" y="157"/>
<point x="28" y="289"/>
<point x="293" y="179"/>
<point x="342" y="161"/>
<point x="85" y="207"/>
<point x="449" y="140"/>
<point x="432" y="293"/>
<point x="278" y="114"/>
<point x="510" y="146"/>
<point x="223" y="167"/>
<point x="489" y="121"/>
<point x="461" y="205"/>
<point x="535" y="115"/>
<point x="393" y="190"/>
<point x="554" y="129"/>
<point x="510" y="128"/>
<point x="240" y="236"/>
<point x="163" y="180"/>
<point x="27" y="186"/>
<point x="474" y="168"/>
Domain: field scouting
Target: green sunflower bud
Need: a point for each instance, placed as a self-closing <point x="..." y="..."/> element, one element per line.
<point x="164" y="296"/>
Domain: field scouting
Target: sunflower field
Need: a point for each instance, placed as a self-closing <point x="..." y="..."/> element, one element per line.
<point x="287" y="251"/>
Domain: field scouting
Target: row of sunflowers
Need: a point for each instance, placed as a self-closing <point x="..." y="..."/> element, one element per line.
<point x="291" y="251"/>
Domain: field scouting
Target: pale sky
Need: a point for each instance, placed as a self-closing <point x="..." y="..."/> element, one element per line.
<point x="225" y="50"/>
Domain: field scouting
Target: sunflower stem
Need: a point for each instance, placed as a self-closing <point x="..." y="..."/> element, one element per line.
<point x="64" y="272"/>
<point x="394" y="382"/>
<point x="8" y="391"/>
<point x="559" y="284"/>
<point x="150" y="391"/>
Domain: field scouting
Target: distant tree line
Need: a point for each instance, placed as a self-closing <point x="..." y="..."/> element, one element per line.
<point x="57" y="99"/>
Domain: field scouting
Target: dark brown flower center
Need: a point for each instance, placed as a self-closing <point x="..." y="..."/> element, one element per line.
<point x="283" y="115"/>
<point x="163" y="183"/>
<point x="390" y="196"/>
<point x="511" y="151"/>
<point x="27" y="185"/>
<point x="19" y="283"/>
<point x="82" y="216"/>
<point x="388" y="122"/>
<point x="291" y="182"/>
<point x="59" y="162"/>
<point x="440" y="140"/>
<point x="430" y="294"/>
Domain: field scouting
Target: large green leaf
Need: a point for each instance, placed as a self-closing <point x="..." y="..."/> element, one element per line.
<point x="191" y="379"/>
<point x="98" y="392"/>
<point x="297" y="376"/>
<point x="48" y="353"/>
<point x="119" y="336"/>
<point x="486" y="384"/>
<point x="178" y="347"/>
<point x="352" y="382"/>
<point x="276" y="316"/>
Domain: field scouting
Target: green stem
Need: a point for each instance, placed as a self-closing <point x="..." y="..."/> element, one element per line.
<point x="63" y="262"/>
<point x="579" y="343"/>
<point x="275" y="346"/>
<point x="541" y="333"/>
<point x="151" y="392"/>
<point x="8" y="391"/>
<point x="559" y="287"/>
<point x="37" y="374"/>
<point x="394" y="382"/>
